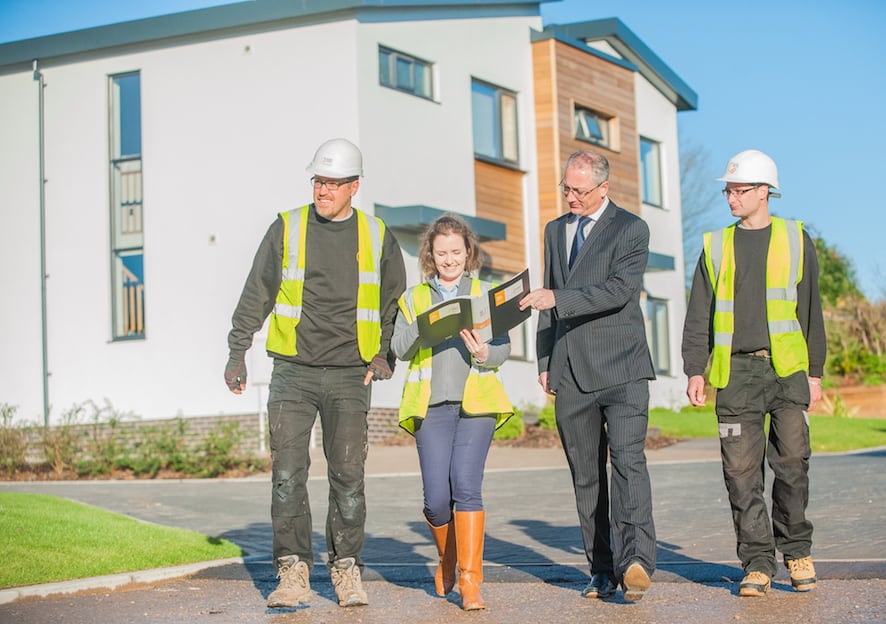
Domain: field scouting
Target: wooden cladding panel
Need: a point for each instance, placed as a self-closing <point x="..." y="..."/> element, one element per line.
<point x="499" y="196"/>
<point x="547" y="131"/>
<point x="609" y="89"/>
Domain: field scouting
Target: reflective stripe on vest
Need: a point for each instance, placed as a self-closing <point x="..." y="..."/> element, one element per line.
<point x="282" y="335"/>
<point x="784" y="270"/>
<point x="483" y="393"/>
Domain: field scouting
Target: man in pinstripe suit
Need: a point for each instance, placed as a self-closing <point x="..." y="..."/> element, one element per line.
<point x="594" y="358"/>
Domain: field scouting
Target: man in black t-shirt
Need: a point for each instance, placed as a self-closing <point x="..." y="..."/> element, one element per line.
<point x="329" y="276"/>
<point x="755" y="308"/>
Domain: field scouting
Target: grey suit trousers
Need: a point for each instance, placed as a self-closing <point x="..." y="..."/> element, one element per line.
<point x="589" y="421"/>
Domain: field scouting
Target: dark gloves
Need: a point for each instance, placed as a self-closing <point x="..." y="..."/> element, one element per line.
<point x="381" y="368"/>
<point x="235" y="373"/>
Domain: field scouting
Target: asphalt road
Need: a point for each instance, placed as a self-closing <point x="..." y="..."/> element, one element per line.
<point x="534" y="565"/>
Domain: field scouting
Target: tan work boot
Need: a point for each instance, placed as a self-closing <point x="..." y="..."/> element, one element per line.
<point x="802" y="573"/>
<point x="754" y="584"/>
<point x="346" y="580"/>
<point x="293" y="588"/>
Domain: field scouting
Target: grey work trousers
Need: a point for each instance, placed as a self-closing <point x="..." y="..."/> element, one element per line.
<point x="754" y="389"/>
<point x="297" y="394"/>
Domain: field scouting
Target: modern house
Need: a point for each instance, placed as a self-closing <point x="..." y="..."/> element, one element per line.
<point x="142" y="162"/>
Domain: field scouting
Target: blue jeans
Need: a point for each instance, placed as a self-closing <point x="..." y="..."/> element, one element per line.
<point x="452" y="450"/>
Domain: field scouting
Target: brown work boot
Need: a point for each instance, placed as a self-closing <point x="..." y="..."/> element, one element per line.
<point x="293" y="588"/>
<point x="635" y="582"/>
<point x="802" y="573"/>
<point x="754" y="584"/>
<point x="345" y="574"/>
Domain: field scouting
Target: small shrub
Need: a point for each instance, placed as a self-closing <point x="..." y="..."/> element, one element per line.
<point x="546" y="417"/>
<point x="837" y="407"/>
<point x="13" y="441"/>
<point x="62" y="445"/>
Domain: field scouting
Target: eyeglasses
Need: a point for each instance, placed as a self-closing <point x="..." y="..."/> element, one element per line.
<point x="331" y="185"/>
<point x="578" y="194"/>
<point x="738" y="193"/>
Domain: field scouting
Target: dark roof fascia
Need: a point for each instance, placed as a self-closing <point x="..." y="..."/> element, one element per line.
<point x="632" y="48"/>
<point x="416" y="218"/>
<point x="235" y="17"/>
<point x="552" y="33"/>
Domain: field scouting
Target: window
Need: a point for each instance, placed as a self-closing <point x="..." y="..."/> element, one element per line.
<point x="591" y="126"/>
<point x="127" y="234"/>
<point x="650" y="167"/>
<point x="405" y="73"/>
<point x="657" y="334"/>
<point x="495" y="123"/>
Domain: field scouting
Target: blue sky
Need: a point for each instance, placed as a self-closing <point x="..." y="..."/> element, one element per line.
<point x="799" y="79"/>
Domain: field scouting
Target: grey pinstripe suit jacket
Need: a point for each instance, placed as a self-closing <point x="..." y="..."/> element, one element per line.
<point x="597" y="325"/>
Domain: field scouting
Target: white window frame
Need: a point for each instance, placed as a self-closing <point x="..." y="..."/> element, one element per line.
<point x="494" y="117"/>
<point x="405" y="72"/>
<point x="126" y="209"/>
<point x="651" y="173"/>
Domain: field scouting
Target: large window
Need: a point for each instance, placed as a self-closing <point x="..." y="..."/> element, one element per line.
<point x="591" y="126"/>
<point x="650" y="166"/>
<point x="657" y="334"/>
<point x="495" y="123"/>
<point x="405" y="73"/>
<point x="127" y="234"/>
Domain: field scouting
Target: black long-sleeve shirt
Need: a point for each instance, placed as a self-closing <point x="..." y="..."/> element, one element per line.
<point x="327" y="331"/>
<point x="751" y="331"/>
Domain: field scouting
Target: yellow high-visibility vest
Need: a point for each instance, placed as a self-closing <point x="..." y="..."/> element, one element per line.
<point x="484" y="393"/>
<point x="288" y="307"/>
<point x="784" y="270"/>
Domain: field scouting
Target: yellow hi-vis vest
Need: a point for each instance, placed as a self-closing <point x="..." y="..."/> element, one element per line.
<point x="484" y="393"/>
<point x="288" y="307"/>
<point x="784" y="270"/>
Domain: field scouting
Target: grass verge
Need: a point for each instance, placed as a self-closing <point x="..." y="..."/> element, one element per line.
<point x="46" y="539"/>
<point x="828" y="433"/>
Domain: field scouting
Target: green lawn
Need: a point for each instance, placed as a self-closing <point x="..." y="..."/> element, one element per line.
<point x="829" y="434"/>
<point x="46" y="538"/>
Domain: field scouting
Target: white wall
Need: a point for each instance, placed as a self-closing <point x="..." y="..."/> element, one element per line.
<point x="228" y="127"/>
<point x="421" y="152"/>
<point x="657" y="120"/>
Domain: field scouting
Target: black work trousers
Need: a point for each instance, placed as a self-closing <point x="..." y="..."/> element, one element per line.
<point x="297" y="394"/>
<point x="754" y="389"/>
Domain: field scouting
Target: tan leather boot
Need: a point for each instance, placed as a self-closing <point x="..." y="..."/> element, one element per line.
<point x="444" y="538"/>
<point x="469" y="534"/>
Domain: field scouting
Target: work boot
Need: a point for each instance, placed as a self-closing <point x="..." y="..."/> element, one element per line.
<point x="802" y="573"/>
<point x="293" y="588"/>
<point x="754" y="584"/>
<point x="469" y="534"/>
<point x="444" y="538"/>
<point x="635" y="582"/>
<point x="345" y="574"/>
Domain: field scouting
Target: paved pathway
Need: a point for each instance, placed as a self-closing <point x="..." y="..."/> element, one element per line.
<point x="534" y="565"/>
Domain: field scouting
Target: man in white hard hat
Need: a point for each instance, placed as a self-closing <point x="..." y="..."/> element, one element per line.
<point x="755" y="308"/>
<point x="329" y="276"/>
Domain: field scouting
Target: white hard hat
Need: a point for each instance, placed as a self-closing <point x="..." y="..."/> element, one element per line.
<point x="751" y="167"/>
<point x="337" y="158"/>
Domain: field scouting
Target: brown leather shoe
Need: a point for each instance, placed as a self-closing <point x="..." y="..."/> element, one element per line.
<point x="635" y="582"/>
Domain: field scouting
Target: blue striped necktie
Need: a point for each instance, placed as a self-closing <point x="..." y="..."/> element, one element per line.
<point x="578" y="240"/>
